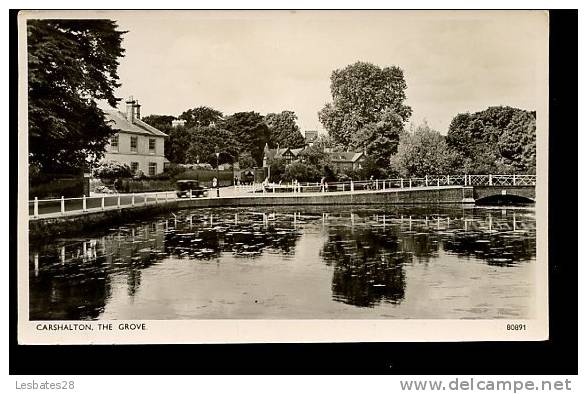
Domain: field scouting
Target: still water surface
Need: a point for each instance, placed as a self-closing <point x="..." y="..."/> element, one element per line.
<point x="294" y="263"/>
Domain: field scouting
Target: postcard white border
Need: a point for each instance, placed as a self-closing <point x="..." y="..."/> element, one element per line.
<point x="285" y="331"/>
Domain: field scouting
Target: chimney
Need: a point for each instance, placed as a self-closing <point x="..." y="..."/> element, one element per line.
<point x="137" y="108"/>
<point x="130" y="112"/>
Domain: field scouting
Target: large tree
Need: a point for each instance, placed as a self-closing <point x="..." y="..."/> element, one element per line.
<point x="498" y="139"/>
<point x="380" y="139"/>
<point x="201" y="116"/>
<point x="72" y="64"/>
<point x="250" y="133"/>
<point x="160" y="122"/>
<point x="364" y="95"/>
<point x="178" y="143"/>
<point x="206" y="141"/>
<point x="423" y="152"/>
<point x="284" y="130"/>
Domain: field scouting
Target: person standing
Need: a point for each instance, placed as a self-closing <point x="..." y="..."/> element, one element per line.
<point x="215" y="185"/>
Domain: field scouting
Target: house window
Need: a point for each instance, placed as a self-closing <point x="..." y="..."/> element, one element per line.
<point x="152" y="145"/>
<point x="152" y="169"/>
<point x="114" y="143"/>
<point x="133" y="144"/>
<point x="134" y="166"/>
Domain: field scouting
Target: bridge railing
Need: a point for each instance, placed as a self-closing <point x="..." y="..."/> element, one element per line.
<point x="401" y="183"/>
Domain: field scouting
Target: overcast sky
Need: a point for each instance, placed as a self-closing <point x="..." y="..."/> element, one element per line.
<point x="272" y="61"/>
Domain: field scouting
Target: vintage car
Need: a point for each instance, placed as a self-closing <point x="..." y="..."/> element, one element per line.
<point x="183" y="188"/>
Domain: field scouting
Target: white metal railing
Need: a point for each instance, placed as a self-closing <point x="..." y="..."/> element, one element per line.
<point x="63" y="206"/>
<point x="395" y="183"/>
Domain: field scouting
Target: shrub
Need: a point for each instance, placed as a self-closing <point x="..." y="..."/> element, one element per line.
<point x="111" y="170"/>
<point x="302" y="172"/>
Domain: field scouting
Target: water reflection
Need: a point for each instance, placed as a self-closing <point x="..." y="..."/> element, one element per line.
<point x="368" y="267"/>
<point x="372" y="256"/>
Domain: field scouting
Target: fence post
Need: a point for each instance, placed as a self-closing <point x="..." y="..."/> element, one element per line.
<point x="62" y="205"/>
<point x="426" y="178"/>
<point x="36" y="207"/>
<point x="352" y="186"/>
<point x="410" y="183"/>
<point x="132" y="201"/>
<point x="190" y="194"/>
<point x="156" y="198"/>
<point x="84" y="203"/>
<point x="401" y="183"/>
<point x="448" y="180"/>
<point x="376" y="184"/>
<point x="383" y="187"/>
<point x="490" y="180"/>
<point x="437" y="182"/>
<point x="514" y="179"/>
<point x="118" y="202"/>
<point x="102" y="202"/>
<point x="145" y="199"/>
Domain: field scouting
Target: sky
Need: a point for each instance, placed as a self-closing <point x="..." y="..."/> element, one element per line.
<point x="270" y="61"/>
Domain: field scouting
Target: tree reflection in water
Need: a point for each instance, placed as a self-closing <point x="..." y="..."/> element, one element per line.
<point x="368" y="249"/>
<point x="368" y="267"/>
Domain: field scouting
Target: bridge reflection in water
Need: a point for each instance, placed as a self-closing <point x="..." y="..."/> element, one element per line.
<point x="346" y="262"/>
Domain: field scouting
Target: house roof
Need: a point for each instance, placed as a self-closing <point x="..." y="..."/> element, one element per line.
<point x="118" y="121"/>
<point x="279" y="153"/>
<point x="345" y="156"/>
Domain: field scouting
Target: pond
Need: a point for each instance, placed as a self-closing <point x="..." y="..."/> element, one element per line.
<point x="330" y="262"/>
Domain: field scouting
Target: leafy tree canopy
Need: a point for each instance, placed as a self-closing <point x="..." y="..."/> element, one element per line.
<point x="498" y="139"/>
<point x="160" y="122"/>
<point x="284" y="130"/>
<point x="424" y="152"/>
<point x="201" y="116"/>
<point x="206" y="141"/>
<point x="250" y="133"/>
<point x="364" y="94"/>
<point x="72" y="64"/>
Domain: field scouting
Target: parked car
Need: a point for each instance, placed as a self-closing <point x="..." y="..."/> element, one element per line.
<point x="183" y="188"/>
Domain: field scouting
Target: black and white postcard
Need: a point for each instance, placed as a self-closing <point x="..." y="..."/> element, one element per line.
<point x="282" y="176"/>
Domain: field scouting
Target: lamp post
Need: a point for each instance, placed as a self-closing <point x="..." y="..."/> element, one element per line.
<point x="217" y="173"/>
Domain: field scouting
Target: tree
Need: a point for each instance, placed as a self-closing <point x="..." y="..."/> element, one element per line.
<point x="315" y="155"/>
<point x="277" y="169"/>
<point x="363" y="94"/>
<point x="421" y="153"/>
<point x="245" y="160"/>
<point x="302" y="172"/>
<point x="177" y="144"/>
<point x="160" y="122"/>
<point x="201" y="116"/>
<point x="250" y="133"/>
<point x="380" y="139"/>
<point x="284" y="131"/>
<point x="206" y="141"/>
<point x="498" y="139"/>
<point x="72" y="64"/>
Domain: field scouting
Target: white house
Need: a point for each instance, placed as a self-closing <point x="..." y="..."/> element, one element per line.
<point x="136" y="143"/>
